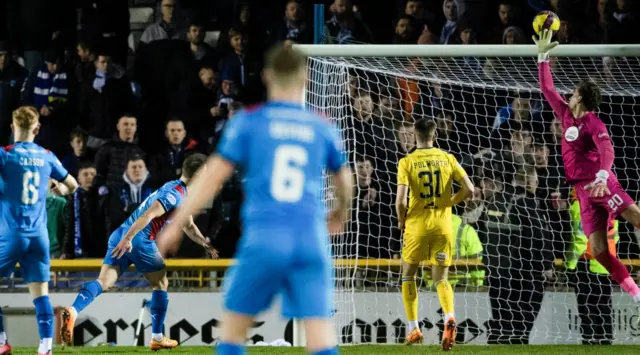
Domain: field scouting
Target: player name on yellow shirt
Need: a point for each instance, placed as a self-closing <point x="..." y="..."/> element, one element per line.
<point x="430" y="164"/>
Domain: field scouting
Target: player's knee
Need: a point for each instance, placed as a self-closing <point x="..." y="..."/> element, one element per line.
<point x="38" y="289"/>
<point x="161" y="283"/>
<point x="409" y="269"/>
<point x="598" y="242"/>
<point x="106" y="282"/>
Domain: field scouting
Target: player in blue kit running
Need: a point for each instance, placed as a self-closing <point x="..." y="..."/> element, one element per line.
<point x="25" y="172"/>
<point x="134" y="243"/>
<point x="282" y="150"/>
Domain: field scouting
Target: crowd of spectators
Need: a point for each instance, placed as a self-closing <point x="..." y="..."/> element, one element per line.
<point x="122" y="112"/>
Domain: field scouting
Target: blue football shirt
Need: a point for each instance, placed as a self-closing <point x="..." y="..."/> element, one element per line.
<point x="25" y="169"/>
<point x="282" y="150"/>
<point x="170" y="195"/>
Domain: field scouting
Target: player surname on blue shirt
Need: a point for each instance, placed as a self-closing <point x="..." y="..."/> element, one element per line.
<point x="26" y="170"/>
<point x="282" y="151"/>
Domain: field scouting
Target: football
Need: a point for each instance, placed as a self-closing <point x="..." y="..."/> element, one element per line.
<point x="546" y="20"/>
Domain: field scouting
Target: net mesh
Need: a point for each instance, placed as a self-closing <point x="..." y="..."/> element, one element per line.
<point x="491" y="116"/>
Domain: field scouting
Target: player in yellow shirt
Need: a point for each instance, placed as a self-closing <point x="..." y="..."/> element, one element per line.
<point x="423" y="203"/>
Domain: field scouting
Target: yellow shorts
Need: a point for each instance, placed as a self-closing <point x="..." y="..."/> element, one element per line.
<point x="435" y="249"/>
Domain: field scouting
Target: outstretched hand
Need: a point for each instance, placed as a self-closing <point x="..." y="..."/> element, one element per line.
<point x="597" y="189"/>
<point x="543" y="42"/>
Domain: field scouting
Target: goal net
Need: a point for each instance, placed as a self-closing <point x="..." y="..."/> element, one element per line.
<point x="510" y="287"/>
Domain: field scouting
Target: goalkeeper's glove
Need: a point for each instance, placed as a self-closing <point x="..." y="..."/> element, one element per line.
<point x="599" y="187"/>
<point x="544" y="44"/>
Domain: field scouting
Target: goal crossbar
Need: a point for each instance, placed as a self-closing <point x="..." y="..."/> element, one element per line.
<point x="472" y="50"/>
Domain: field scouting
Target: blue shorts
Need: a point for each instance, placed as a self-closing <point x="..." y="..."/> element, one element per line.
<point x="269" y="263"/>
<point x="144" y="255"/>
<point x="32" y="253"/>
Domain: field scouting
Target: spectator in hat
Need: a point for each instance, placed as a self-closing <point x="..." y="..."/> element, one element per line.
<point x="48" y="91"/>
<point x="12" y="77"/>
<point x="450" y="11"/>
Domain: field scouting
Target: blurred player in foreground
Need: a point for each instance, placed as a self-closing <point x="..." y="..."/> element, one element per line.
<point x="25" y="172"/>
<point x="282" y="150"/>
<point x="588" y="157"/>
<point x="423" y="205"/>
<point x="134" y="243"/>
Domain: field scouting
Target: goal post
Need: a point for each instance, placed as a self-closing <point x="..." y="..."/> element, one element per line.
<point x="493" y="118"/>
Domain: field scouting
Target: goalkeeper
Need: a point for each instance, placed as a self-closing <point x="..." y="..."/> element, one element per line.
<point x="588" y="155"/>
<point x="423" y="204"/>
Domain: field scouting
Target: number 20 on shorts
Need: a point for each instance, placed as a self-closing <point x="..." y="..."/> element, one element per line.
<point x="614" y="202"/>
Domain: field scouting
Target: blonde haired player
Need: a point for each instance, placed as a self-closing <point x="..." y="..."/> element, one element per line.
<point x="423" y="204"/>
<point x="25" y="171"/>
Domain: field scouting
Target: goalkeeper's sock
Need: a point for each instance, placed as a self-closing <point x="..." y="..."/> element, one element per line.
<point x="158" y="310"/>
<point x="619" y="273"/>
<point x="230" y="349"/>
<point x="331" y="351"/>
<point x="445" y="294"/>
<point x="410" y="300"/>
<point x="87" y="294"/>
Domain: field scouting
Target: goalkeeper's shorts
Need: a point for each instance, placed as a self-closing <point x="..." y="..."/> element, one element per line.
<point x="437" y="249"/>
<point x="597" y="212"/>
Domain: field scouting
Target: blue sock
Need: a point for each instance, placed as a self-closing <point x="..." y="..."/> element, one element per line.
<point x="332" y="351"/>
<point x="1" y="321"/>
<point x="229" y="349"/>
<point x="44" y="316"/>
<point x="87" y="294"/>
<point x="159" y="303"/>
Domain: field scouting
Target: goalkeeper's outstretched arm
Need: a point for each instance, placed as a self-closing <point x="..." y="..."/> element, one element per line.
<point x="545" y="45"/>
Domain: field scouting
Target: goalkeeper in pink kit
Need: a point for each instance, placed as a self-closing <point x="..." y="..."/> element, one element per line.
<point x="587" y="153"/>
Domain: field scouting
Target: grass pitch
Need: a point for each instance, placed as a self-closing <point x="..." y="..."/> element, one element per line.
<point x="369" y="350"/>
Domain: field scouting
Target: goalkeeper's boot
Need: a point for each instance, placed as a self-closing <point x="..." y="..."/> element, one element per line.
<point x="449" y="335"/>
<point x="69" y="316"/>
<point x="165" y="343"/>
<point x="415" y="337"/>
<point x="5" y="349"/>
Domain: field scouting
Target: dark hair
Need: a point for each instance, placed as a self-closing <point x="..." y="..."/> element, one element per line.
<point x="590" y="93"/>
<point x="85" y="165"/>
<point x="192" y="164"/>
<point x="128" y="115"/>
<point x="236" y="32"/>
<point x="134" y="157"/>
<point x="84" y="44"/>
<point x="173" y="119"/>
<point x="425" y="129"/>
<point x="409" y="18"/>
<point x="78" y="133"/>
